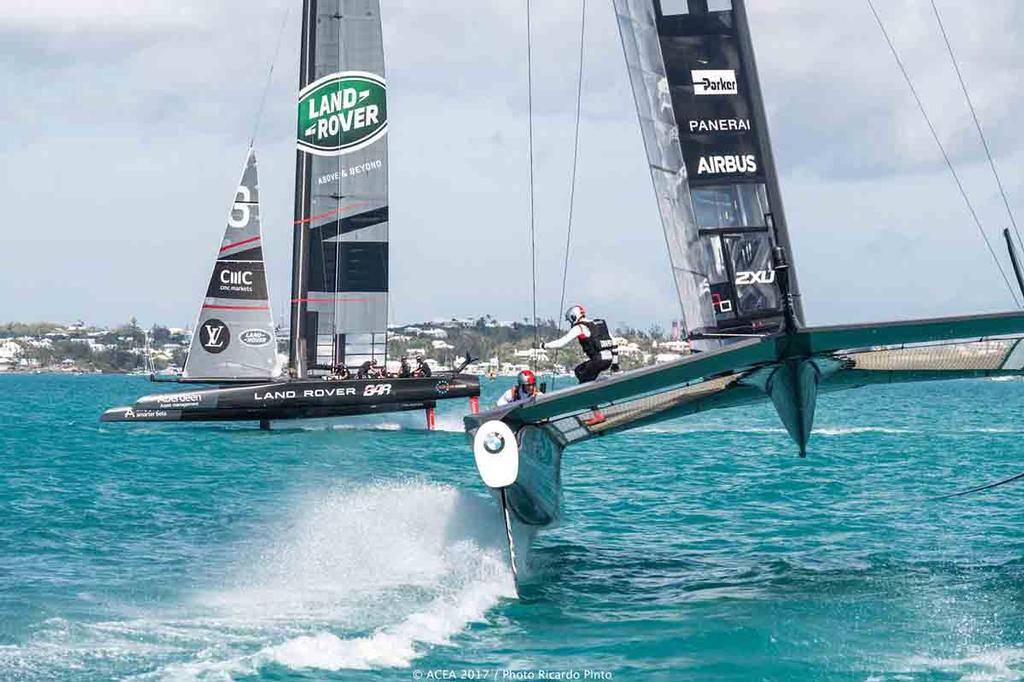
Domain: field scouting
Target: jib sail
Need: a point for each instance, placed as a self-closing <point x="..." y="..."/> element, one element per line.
<point x="698" y="99"/>
<point x="340" y="253"/>
<point x="234" y="336"/>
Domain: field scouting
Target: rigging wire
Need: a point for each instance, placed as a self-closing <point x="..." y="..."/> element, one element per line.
<point x="270" y="74"/>
<point x="572" y="179"/>
<point x="575" y="159"/>
<point x="945" y="155"/>
<point x="533" y="229"/>
<point x="977" y="489"/>
<point x="977" y="122"/>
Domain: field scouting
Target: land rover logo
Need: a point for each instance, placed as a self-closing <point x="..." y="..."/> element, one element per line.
<point x="255" y="338"/>
<point x="342" y="112"/>
<point x="214" y="336"/>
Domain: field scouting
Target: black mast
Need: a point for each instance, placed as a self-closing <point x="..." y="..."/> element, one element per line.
<point x="760" y="122"/>
<point x="1013" y="258"/>
<point x="303" y="174"/>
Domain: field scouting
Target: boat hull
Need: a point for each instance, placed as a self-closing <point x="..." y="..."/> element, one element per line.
<point x="535" y="499"/>
<point x="297" y="399"/>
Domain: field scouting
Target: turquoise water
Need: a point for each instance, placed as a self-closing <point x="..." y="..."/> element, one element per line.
<point x="700" y="550"/>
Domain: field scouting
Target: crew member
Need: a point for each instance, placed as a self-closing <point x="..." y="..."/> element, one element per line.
<point x="404" y="371"/>
<point x="369" y="370"/>
<point x="339" y="372"/>
<point x="596" y="342"/>
<point x="525" y="388"/>
<point x="422" y="368"/>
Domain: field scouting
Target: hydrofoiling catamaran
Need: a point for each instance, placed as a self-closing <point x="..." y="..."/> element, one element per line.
<point x="700" y="108"/>
<point x="339" y="305"/>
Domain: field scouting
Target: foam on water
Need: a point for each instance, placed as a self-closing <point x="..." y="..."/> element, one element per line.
<point x="364" y="578"/>
<point x="978" y="666"/>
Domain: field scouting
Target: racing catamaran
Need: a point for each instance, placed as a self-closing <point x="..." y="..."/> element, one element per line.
<point x="339" y="305"/>
<point x="700" y="110"/>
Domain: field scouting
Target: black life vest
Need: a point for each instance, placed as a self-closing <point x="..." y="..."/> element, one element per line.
<point x="598" y="341"/>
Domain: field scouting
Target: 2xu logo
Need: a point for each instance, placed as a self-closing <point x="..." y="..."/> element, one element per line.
<point x="214" y="336"/>
<point x="255" y="338"/>
<point x="755" y="277"/>
<point x="342" y="112"/>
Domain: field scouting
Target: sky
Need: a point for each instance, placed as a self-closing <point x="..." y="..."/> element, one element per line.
<point x="126" y="124"/>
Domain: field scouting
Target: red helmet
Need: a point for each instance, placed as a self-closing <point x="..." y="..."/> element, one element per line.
<point x="527" y="378"/>
<point x="575" y="314"/>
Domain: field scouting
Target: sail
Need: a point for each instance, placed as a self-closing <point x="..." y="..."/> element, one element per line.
<point x="698" y="100"/>
<point x="234" y="336"/>
<point x="340" y="252"/>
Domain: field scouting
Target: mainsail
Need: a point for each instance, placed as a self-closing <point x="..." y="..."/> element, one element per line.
<point x="340" y="253"/>
<point x="698" y="99"/>
<point x="234" y="336"/>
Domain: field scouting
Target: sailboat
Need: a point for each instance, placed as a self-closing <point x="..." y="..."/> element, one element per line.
<point x="339" y="303"/>
<point x="699" y="103"/>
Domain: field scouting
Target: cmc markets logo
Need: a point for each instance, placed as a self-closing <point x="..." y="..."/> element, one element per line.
<point x="730" y="163"/>
<point x="241" y="277"/>
<point x="255" y="338"/>
<point x="715" y="82"/>
<point x="214" y="336"/>
<point x="342" y="112"/>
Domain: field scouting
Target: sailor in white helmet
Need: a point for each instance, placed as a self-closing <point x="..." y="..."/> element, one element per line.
<point x="596" y="342"/>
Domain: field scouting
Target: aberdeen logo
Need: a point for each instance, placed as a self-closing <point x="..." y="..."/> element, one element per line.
<point x="214" y="336"/>
<point x="255" y="338"/>
<point x="342" y="112"/>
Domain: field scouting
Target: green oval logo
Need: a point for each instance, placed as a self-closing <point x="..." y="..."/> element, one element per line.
<point x="342" y="112"/>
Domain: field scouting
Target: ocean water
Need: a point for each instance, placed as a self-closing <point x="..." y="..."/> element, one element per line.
<point x="703" y="549"/>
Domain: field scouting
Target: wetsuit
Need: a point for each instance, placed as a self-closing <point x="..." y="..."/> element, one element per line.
<point x="597" y="345"/>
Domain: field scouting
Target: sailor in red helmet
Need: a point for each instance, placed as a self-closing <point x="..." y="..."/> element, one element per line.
<point x="595" y="340"/>
<point x="525" y="388"/>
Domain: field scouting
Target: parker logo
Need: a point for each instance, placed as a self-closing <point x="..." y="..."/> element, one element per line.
<point x="342" y="112"/>
<point x="214" y="336"/>
<point x="255" y="338"/>
<point x="715" y="82"/>
<point x="732" y="163"/>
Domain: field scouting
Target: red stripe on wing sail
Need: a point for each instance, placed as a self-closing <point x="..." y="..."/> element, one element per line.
<point x="241" y="243"/>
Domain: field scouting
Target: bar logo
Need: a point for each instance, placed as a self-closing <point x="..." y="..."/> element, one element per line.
<point x="714" y="82"/>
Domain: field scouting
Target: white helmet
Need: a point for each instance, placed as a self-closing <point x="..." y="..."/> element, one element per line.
<point x="575" y="314"/>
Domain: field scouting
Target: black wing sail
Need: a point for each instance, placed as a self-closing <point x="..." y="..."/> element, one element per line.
<point x="699" y="104"/>
<point x="340" y="253"/>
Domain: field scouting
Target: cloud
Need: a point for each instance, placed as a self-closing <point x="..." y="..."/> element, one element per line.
<point x="120" y="153"/>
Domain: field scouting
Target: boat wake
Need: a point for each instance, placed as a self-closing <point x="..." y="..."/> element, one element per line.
<point x="367" y="579"/>
<point x="362" y="579"/>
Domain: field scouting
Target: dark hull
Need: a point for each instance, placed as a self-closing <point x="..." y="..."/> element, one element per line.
<point x="297" y="399"/>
